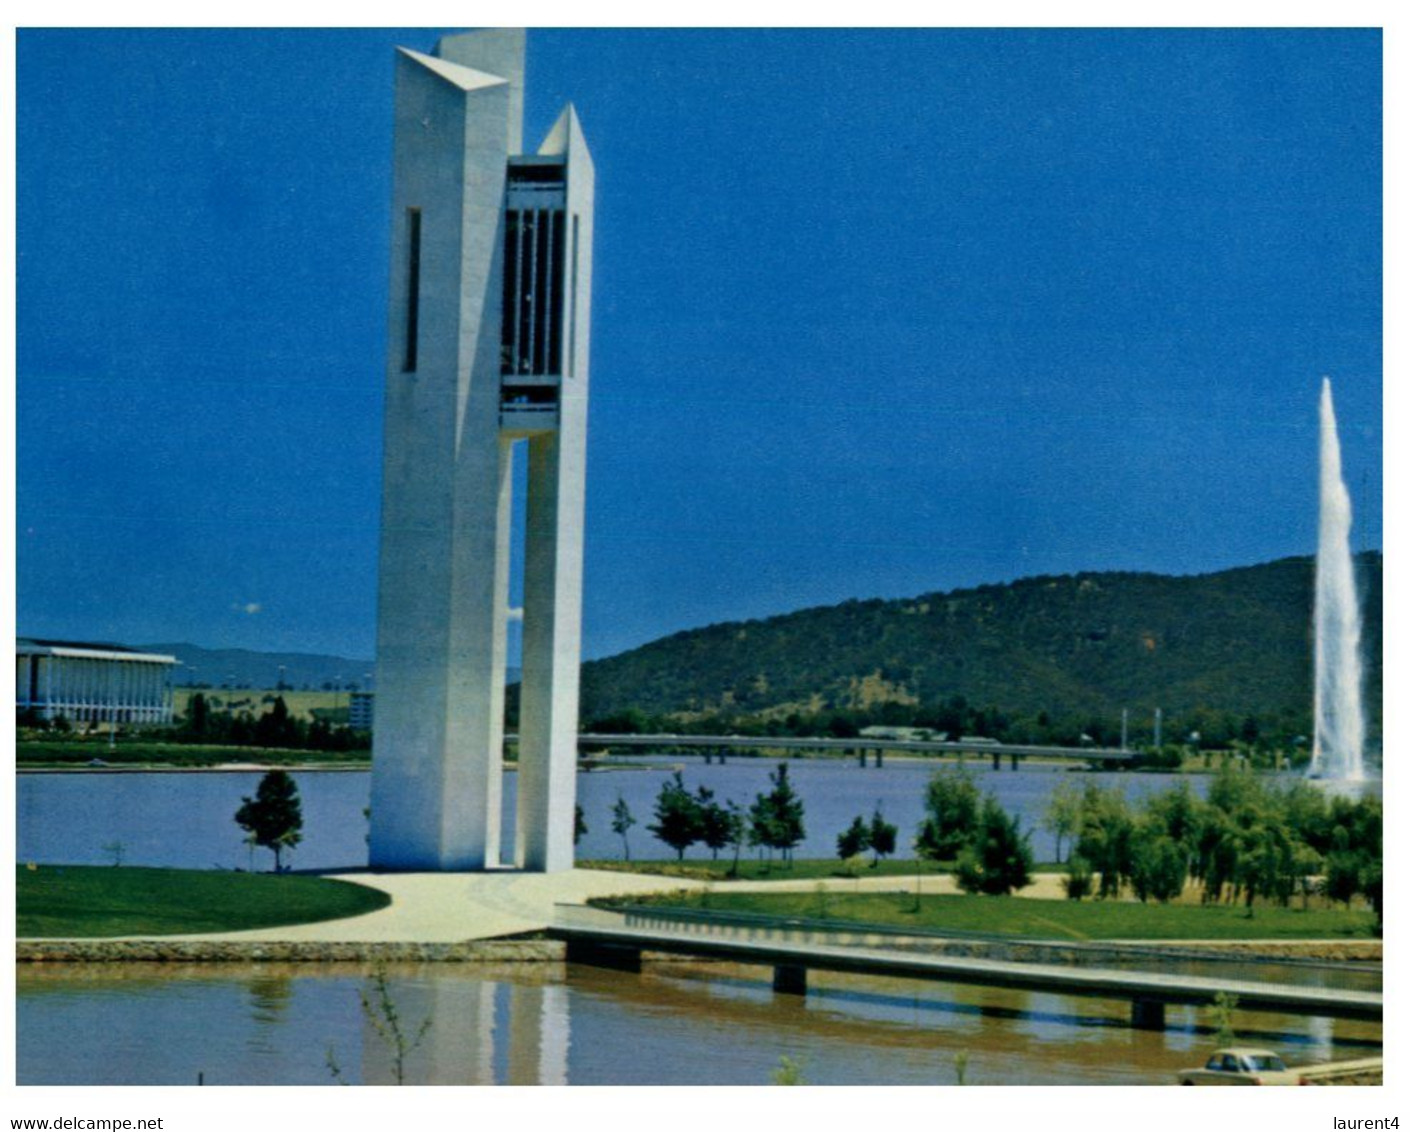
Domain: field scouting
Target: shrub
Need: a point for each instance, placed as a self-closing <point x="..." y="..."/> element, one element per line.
<point x="998" y="860"/>
<point x="1158" y="866"/>
<point x="1077" y="882"/>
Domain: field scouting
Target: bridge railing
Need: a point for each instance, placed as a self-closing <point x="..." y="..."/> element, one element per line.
<point x="743" y="926"/>
<point x="762" y="927"/>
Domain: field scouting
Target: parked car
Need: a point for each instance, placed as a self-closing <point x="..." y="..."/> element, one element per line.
<point x="1242" y="1065"/>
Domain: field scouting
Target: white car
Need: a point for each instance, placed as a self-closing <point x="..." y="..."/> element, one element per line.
<point x="1242" y="1066"/>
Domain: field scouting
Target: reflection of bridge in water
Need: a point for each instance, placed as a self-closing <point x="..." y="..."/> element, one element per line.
<point x="859" y="747"/>
<point x="617" y="940"/>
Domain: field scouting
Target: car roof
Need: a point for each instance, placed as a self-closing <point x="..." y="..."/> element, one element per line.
<point x="1247" y="1051"/>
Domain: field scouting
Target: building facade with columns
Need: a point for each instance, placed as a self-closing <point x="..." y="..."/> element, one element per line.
<point x="92" y="683"/>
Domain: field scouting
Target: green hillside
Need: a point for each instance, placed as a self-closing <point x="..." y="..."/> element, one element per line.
<point x="1226" y="653"/>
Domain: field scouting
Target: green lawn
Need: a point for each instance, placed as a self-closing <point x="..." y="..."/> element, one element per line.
<point x="74" y="901"/>
<point x="699" y="868"/>
<point x="1042" y="919"/>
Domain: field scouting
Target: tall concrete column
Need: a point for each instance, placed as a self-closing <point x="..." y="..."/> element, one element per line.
<point x="553" y="550"/>
<point x="548" y="731"/>
<point x="491" y="260"/>
<point x="446" y="481"/>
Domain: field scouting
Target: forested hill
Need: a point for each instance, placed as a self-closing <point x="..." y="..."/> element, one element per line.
<point x="1235" y="644"/>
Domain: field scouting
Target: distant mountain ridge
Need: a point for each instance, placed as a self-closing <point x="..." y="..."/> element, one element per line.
<point x="1090" y="644"/>
<point x="1236" y="641"/>
<point x="248" y="668"/>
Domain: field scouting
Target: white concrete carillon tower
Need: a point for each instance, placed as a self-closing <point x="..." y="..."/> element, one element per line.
<point x="490" y="292"/>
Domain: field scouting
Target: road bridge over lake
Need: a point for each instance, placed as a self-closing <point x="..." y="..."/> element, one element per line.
<point x="859" y="746"/>
<point x="602" y="938"/>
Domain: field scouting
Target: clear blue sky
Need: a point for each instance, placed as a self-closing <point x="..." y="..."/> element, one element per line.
<point x="877" y="313"/>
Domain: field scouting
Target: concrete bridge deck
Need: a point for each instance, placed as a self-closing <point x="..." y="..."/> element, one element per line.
<point x="601" y="938"/>
<point x="858" y="746"/>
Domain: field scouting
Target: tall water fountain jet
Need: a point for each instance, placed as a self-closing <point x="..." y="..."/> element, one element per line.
<point x="1339" y="725"/>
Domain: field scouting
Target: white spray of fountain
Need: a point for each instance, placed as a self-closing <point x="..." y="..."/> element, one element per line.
<point x="1339" y="725"/>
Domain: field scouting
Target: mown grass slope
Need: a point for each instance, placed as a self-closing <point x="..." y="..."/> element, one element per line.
<point x="81" y="901"/>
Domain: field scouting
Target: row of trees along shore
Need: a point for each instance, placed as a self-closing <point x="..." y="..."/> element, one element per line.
<point x="773" y="824"/>
<point x="1249" y="839"/>
<point x="983" y="840"/>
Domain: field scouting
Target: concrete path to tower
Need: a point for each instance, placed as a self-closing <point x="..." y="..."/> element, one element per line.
<point x="451" y="907"/>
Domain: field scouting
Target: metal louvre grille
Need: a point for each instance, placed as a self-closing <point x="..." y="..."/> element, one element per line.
<point x="532" y="329"/>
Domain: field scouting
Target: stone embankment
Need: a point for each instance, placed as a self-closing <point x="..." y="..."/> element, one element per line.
<point x="529" y="950"/>
<point x="302" y="951"/>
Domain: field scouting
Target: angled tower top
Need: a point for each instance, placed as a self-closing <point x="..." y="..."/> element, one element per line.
<point x="495" y="51"/>
<point x="566" y="139"/>
<point x="466" y="78"/>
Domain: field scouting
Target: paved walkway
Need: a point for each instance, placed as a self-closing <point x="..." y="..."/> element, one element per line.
<point x="449" y="907"/>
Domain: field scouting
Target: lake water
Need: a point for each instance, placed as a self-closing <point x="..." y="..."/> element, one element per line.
<point x="678" y="1023"/>
<point x="187" y="819"/>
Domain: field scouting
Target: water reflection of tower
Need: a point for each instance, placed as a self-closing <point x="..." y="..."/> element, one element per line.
<point x="481" y="1033"/>
<point x="538" y="1035"/>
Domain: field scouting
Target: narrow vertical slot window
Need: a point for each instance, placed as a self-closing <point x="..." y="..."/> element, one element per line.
<point x="413" y="287"/>
<point x="573" y="303"/>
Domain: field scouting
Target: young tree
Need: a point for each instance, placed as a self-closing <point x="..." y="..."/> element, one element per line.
<point x="622" y="820"/>
<point x="777" y="817"/>
<point x="677" y="816"/>
<point x="1077" y="880"/>
<point x="881" y="836"/>
<point x="1342" y="876"/>
<point x="1105" y="837"/>
<point x="1157" y="864"/>
<point x="714" y="822"/>
<point x="579" y="825"/>
<point x="1063" y="816"/>
<point x="998" y="860"/>
<point x="854" y="839"/>
<point x="273" y="818"/>
<point x="737" y="829"/>
<point x="951" y="816"/>
<point x="1263" y="862"/>
<point x="1372" y="883"/>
